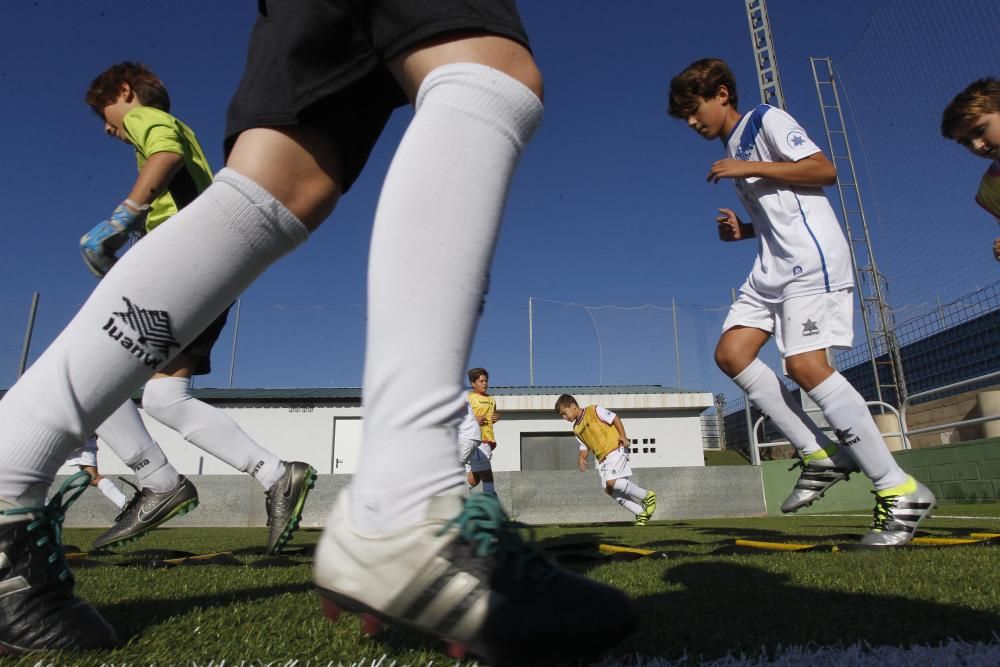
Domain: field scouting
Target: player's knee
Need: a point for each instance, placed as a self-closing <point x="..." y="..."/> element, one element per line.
<point x="808" y="370"/>
<point x="729" y="360"/>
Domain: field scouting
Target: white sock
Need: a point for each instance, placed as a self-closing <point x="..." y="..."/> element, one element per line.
<point x="772" y="397"/>
<point x="168" y="400"/>
<point x="159" y="296"/>
<point x="112" y="492"/>
<point x="435" y="230"/>
<point x="127" y="436"/>
<point x="630" y="489"/>
<point x="623" y="500"/>
<point x="846" y="411"/>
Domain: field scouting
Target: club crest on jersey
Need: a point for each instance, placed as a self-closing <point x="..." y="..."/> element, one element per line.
<point x="809" y="328"/>
<point x="145" y="334"/>
<point x="795" y="138"/>
<point x="797" y="271"/>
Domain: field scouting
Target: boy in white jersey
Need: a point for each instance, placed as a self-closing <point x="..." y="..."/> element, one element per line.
<point x="800" y="291"/>
<point x="601" y="431"/>
<point x="484" y="409"/>
<point x="973" y="120"/>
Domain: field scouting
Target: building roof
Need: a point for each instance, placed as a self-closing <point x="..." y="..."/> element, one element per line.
<point x="352" y="395"/>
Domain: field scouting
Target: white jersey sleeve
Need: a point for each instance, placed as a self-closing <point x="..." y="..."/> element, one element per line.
<point x="604" y="414"/>
<point x="468" y="428"/>
<point x="786" y="140"/>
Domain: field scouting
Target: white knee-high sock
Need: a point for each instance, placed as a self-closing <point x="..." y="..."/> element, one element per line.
<point x="626" y="502"/>
<point x="126" y="435"/>
<point x="156" y="300"/>
<point x="846" y="411"/>
<point x="435" y="230"/>
<point x="630" y="489"/>
<point x="169" y="401"/>
<point x="112" y="492"/>
<point x="771" y="396"/>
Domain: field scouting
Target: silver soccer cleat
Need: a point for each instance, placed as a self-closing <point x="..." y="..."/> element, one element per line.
<point x="897" y="517"/>
<point x="817" y="476"/>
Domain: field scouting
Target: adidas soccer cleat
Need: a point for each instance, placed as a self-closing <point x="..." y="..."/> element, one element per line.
<point x="818" y="474"/>
<point x="898" y="512"/>
<point x="465" y="575"/>
<point x="284" y="502"/>
<point x="641" y="519"/>
<point x="147" y="510"/>
<point x="38" y="610"/>
<point x="649" y="505"/>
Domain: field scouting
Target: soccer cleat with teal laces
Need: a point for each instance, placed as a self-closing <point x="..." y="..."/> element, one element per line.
<point x="465" y="575"/>
<point x="38" y="610"/>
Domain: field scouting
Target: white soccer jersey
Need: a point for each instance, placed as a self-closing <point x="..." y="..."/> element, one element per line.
<point x="469" y="429"/>
<point x="801" y="247"/>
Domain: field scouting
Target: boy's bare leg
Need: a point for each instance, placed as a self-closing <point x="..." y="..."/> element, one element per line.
<point x="821" y="464"/>
<point x="736" y="355"/>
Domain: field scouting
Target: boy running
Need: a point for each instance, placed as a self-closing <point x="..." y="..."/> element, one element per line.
<point x="402" y="544"/>
<point x="484" y="408"/>
<point x="800" y="291"/>
<point x="601" y="431"/>
<point x="134" y="106"/>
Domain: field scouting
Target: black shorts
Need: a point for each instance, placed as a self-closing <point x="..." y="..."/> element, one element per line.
<point x="322" y="63"/>
<point x="200" y="349"/>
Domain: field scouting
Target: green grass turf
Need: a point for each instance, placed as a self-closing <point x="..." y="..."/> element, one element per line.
<point x="696" y="597"/>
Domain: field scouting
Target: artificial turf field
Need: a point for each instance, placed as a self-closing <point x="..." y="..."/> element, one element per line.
<point x="700" y="596"/>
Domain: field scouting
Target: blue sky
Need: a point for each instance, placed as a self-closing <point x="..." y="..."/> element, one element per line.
<point x="610" y="205"/>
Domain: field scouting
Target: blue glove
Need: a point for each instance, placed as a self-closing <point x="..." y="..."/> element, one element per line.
<point x="99" y="245"/>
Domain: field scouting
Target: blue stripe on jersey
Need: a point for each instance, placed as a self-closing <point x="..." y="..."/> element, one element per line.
<point x="822" y="258"/>
<point x="753" y="126"/>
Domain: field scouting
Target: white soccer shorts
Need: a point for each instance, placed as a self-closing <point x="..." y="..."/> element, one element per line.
<point x="478" y="458"/>
<point x="800" y="324"/>
<point x="614" y="466"/>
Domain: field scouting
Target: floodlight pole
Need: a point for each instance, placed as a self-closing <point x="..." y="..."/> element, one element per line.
<point x="765" y="58"/>
<point x="27" y="335"/>
<point x="531" y="345"/>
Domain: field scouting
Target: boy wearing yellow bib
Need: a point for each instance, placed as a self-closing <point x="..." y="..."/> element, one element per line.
<point x="601" y="431"/>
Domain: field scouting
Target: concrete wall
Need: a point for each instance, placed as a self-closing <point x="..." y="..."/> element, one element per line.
<point x="945" y="411"/>
<point x="330" y="439"/>
<point x="530" y="497"/>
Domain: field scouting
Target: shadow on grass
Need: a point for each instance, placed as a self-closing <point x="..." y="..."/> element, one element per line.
<point x="728" y="608"/>
<point x="131" y="618"/>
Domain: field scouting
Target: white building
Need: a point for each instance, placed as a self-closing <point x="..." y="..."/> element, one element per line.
<point x="323" y="426"/>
